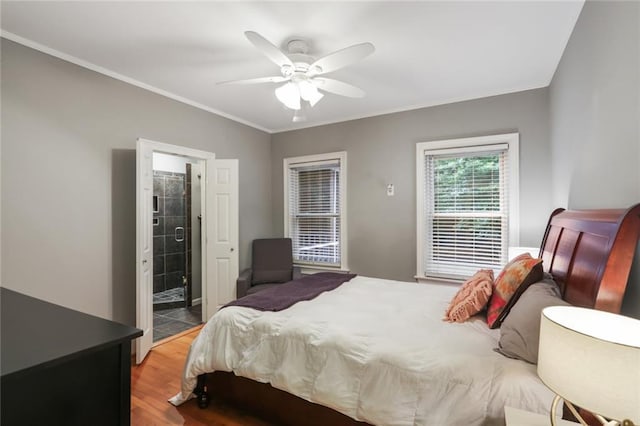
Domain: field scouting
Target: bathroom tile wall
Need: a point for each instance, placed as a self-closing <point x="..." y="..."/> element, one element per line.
<point x="169" y="230"/>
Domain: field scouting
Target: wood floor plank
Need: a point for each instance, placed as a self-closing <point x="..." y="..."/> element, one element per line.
<point x="158" y="378"/>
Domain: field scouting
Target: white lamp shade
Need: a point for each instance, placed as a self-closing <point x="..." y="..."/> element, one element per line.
<point x="592" y="359"/>
<point x="289" y="95"/>
<point x="309" y="92"/>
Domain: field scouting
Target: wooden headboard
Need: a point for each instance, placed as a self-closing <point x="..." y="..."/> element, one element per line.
<point x="589" y="254"/>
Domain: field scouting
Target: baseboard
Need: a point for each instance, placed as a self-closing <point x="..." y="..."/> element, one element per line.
<point x="197" y="301"/>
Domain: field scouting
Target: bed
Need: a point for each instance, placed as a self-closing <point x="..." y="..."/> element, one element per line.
<point x="377" y="351"/>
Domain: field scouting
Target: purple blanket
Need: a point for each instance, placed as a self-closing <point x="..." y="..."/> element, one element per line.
<point x="284" y="295"/>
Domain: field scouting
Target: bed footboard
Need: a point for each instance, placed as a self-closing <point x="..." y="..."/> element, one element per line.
<point x="269" y="403"/>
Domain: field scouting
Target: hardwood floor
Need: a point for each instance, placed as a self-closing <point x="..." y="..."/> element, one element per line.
<point x="158" y="378"/>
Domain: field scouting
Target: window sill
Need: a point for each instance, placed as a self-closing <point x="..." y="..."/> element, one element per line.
<point x="435" y="280"/>
<point x="308" y="269"/>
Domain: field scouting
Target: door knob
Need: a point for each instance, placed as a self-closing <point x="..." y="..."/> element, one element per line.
<point x="144" y="261"/>
<point x="232" y="249"/>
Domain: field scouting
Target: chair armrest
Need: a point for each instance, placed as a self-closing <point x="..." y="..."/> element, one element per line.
<point x="243" y="283"/>
<point x="297" y="273"/>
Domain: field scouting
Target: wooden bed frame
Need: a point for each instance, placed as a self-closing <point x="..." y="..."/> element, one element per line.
<point x="588" y="252"/>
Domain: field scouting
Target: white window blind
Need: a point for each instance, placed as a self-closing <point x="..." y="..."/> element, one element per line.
<point x="315" y="212"/>
<point x="466" y="210"/>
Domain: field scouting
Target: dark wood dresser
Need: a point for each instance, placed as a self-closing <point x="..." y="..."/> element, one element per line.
<point x="62" y="367"/>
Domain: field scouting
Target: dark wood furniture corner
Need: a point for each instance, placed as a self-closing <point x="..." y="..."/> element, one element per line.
<point x="62" y="367"/>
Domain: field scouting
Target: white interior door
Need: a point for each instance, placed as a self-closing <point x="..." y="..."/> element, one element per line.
<point x="224" y="230"/>
<point x="144" y="249"/>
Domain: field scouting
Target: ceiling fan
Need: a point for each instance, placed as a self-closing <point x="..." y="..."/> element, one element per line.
<point x="303" y="75"/>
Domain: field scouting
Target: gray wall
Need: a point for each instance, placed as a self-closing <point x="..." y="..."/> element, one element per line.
<point x="68" y="178"/>
<point x="68" y="163"/>
<point x="595" y="117"/>
<point x="381" y="150"/>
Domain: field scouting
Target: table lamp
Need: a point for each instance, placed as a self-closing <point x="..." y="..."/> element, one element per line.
<point x="591" y="358"/>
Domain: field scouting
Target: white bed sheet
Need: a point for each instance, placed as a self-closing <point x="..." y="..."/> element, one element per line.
<point x="375" y="350"/>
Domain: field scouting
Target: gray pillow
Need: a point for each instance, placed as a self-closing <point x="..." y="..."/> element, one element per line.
<point x="520" y="331"/>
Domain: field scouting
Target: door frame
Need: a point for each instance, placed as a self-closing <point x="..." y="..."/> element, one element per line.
<point x="144" y="302"/>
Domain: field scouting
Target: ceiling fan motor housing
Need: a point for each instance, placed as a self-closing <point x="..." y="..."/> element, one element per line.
<point x="297" y="51"/>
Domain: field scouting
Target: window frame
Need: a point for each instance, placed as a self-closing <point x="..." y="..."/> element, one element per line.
<point x="466" y="145"/>
<point x="290" y="162"/>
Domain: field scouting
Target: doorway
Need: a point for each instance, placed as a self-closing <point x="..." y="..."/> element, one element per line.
<point x="177" y="274"/>
<point x="219" y="234"/>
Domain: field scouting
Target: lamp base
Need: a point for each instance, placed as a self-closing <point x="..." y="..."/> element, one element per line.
<point x="576" y="414"/>
<point x="554" y="411"/>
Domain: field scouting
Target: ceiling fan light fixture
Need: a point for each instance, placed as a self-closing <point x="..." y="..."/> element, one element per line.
<point x="289" y="95"/>
<point x="309" y="92"/>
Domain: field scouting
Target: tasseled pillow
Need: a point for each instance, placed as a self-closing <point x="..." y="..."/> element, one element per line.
<point x="472" y="297"/>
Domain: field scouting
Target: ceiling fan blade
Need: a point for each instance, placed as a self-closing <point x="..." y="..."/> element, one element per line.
<point x="341" y="58"/>
<point x="269" y="49"/>
<point x="277" y="79"/>
<point x="338" y="87"/>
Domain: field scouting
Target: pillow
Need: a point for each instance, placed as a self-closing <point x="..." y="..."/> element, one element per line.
<point x="520" y="330"/>
<point x="517" y="275"/>
<point x="471" y="298"/>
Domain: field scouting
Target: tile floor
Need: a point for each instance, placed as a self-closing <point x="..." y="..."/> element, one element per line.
<point x="168" y="322"/>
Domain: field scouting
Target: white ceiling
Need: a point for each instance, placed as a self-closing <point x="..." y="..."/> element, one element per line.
<point x="427" y="53"/>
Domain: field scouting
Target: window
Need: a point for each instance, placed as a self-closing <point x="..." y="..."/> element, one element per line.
<point x="315" y="207"/>
<point x="467" y="204"/>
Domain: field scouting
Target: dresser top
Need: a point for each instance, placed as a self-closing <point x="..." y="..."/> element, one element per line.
<point x="36" y="334"/>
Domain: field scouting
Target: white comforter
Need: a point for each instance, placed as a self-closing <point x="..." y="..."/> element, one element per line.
<point x="375" y="350"/>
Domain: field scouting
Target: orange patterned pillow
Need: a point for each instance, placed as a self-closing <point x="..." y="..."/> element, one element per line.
<point x="517" y="275"/>
<point x="471" y="298"/>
